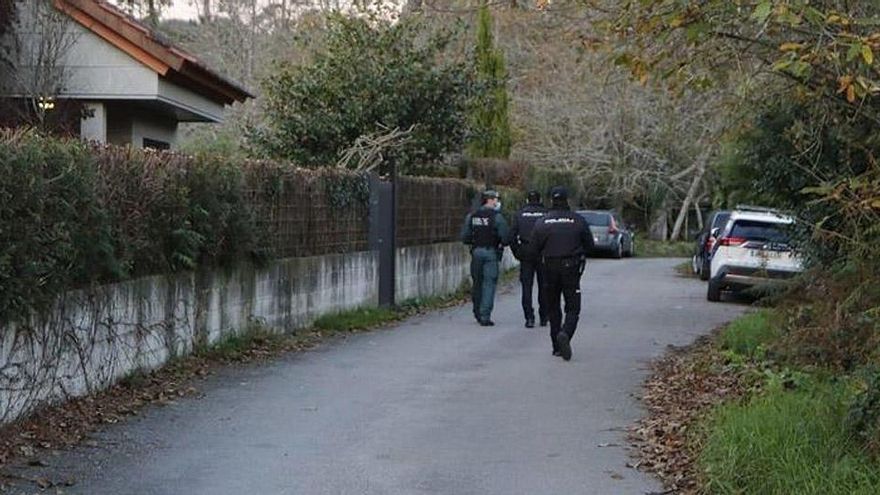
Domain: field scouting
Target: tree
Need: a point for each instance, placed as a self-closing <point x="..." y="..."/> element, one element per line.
<point x="150" y="9"/>
<point x="811" y="100"/>
<point x="368" y="77"/>
<point x="491" y="125"/>
<point x="818" y="49"/>
<point x="36" y="43"/>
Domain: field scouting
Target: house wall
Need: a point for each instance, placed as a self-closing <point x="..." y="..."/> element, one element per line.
<point x="151" y="126"/>
<point x="91" y="69"/>
<point x="129" y="124"/>
<point x="99" y="71"/>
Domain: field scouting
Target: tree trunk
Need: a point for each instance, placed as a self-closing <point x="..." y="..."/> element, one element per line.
<point x="659" y="228"/>
<point x="699" y="213"/>
<point x="692" y="192"/>
<point x="153" y="13"/>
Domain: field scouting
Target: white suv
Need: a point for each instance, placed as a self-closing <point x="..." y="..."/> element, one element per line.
<point x="752" y="249"/>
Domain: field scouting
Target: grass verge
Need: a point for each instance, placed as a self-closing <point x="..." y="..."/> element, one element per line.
<point x="749" y="335"/>
<point x="729" y="415"/>
<point x="684" y="269"/>
<point x="647" y="248"/>
<point x="786" y="441"/>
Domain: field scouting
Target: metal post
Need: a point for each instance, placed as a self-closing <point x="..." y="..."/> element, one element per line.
<point x="383" y="234"/>
<point x="392" y="237"/>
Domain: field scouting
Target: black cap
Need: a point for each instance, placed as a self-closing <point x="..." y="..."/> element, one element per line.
<point x="559" y="193"/>
<point x="490" y="194"/>
<point x="533" y="196"/>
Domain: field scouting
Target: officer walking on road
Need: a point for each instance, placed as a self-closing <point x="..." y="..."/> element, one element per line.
<point x="485" y="230"/>
<point x="520" y="234"/>
<point x="562" y="239"/>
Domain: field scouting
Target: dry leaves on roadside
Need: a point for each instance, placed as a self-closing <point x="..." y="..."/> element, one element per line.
<point x="684" y="385"/>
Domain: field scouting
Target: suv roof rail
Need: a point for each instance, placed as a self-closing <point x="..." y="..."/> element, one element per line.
<point x="761" y="209"/>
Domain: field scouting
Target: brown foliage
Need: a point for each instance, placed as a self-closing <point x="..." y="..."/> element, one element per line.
<point x="685" y="385"/>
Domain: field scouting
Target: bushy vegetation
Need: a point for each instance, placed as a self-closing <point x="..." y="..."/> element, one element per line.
<point x="72" y="215"/>
<point x="54" y="231"/>
<point x="370" y="80"/>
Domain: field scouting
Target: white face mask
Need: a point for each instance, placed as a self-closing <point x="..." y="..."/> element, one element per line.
<point x="498" y="205"/>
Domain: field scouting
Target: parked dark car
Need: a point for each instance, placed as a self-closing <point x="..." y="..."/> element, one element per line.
<point x="706" y="242"/>
<point x="610" y="235"/>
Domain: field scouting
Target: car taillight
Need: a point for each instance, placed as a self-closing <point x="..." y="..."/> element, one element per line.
<point x="732" y="241"/>
<point x="612" y="228"/>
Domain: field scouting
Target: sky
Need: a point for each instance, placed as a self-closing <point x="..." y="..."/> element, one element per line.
<point x="181" y="9"/>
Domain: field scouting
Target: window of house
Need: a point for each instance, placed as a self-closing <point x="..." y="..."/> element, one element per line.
<point x="154" y="144"/>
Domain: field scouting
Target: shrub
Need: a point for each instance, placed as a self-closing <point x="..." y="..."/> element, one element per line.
<point x="54" y="232"/>
<point x="833" y="318"/>
<point x="863" y="415"/>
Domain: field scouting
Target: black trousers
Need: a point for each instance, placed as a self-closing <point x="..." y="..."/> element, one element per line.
<point x="562" y="280"/>
<point x="528" y="271"/>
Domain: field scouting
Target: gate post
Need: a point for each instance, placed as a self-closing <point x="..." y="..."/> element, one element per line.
<point x="383" y="236"/>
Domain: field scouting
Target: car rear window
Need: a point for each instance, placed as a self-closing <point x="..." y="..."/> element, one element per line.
<point x="596" y="219"/>
<point x="759" y="231"/>
<point x="720" y="220"/>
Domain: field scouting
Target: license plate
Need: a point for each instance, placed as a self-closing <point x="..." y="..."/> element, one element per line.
<point x="767" y="255"/>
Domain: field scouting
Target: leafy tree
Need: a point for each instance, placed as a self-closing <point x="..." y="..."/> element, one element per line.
<point x="371" y="76"/>
<point x="808" y="72"/>
<point x="820" y="49"/>
<point x="491" y="125"/>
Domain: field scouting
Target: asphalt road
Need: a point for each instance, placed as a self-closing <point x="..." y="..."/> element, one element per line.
<point x="436" y="405"/>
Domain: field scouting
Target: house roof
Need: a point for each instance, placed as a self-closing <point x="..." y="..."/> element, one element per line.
<point x="152" y="50"/>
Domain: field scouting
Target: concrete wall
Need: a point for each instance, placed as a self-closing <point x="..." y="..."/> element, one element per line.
<point x="424" y="271"/>
<point x="155" y="127"/>
<point x="93" y="338"/>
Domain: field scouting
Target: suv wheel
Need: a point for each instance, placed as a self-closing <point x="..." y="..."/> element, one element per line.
<point x="705" y="270"/>
<point x="618" y="253"/>
<point x="713" y="293"/>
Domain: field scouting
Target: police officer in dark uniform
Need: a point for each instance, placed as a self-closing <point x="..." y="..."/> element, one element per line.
<point x="520" y="234"/>
<point x="486" y="231"/>
<point x="562" y="239"/>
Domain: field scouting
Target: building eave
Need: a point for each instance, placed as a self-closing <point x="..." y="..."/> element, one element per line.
<point x="139" y="42"/>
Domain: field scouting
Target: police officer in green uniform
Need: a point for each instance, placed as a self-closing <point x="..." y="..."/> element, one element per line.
<point x="485" y="230"/>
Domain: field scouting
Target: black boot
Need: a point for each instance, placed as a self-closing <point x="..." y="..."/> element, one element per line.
<point x="487" y="323"/>
<point x="563" y="343"/>
<point x="544" y="322"/>
<point x="530" y="323"/>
